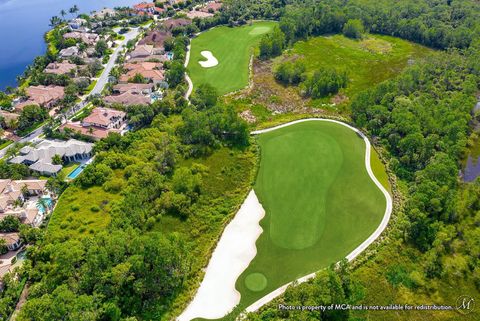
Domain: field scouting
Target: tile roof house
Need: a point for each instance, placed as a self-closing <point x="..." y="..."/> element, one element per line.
<point x="178" y="22"/>
<point x="12" y="190"/>
<point x="149" y="70"/>
<point x="77" y="23"/>
<point x="99" y="123"/>
<point x="45" y="96"/>
<point x="70" y="52"/>
<point x="198" y="14"/>
<point x="142" y="51"/>
<point x="60" y="68"/>
<point x="12" y="240"/>
<point x="127" y="99"/>
<point x="156" y="38"/>
<point x="133" y="88"/>
<point x="89" y="39"/>
<point x="212" y="6"/>
<point x="104" y="13"/>
<point x="39" y="158"/>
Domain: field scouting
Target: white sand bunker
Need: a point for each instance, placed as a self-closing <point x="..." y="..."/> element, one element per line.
<point x="211" y="60"/>
<point x="236" y="249"/>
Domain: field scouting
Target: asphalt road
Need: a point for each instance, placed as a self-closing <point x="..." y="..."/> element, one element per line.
<point x="101" y="82"/>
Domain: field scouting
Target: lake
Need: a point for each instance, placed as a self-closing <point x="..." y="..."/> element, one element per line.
<point x="23" y="24"/>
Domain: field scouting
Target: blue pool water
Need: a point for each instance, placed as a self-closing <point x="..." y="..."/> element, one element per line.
<point x="48" y="200"/>
<point x="169" y="55"/>
<point x="77" y="171"/>
<point x="23" y="24"/>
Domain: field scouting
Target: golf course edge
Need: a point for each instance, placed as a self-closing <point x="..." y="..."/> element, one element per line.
<point x="359" y="249"/>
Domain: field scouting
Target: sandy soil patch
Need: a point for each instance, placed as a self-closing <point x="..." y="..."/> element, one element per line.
<point x="217" y="295"/>
<point x="211" y="60"/>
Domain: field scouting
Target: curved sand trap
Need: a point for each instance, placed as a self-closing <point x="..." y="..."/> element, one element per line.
<point x="217" y="295"/>
<point x="211" y="60"/>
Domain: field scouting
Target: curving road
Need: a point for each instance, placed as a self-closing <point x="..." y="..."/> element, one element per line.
<point x="383" y="224"/>
<point x="187" y="77"/>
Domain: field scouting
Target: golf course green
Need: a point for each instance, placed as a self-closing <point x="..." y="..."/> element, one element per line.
<point x="232" y="48"/>
<point x="319" y="200"/>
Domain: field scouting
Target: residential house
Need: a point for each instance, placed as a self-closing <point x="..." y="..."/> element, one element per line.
<point x="105" y="13"/>
<point x="133" y="88"/>
<point x="127" y="98"/>
<point x="12" y="240"/>
<point x="212" y="7"/>
<point x="14" y="202"/>
<point x="156" y="38"/>
<point x="149" y="70"/>
<point x="178" y="22"/>
<point x="198" y="14"/>
<point x="44" y="96"/>
<point x="142" y="51"/>
<point x="99" y="123"/>
<point x="72" y="51"/>
<point x="88" y="38"/>
<point x="60" y="68"/>
<point x="39" y="158"/>
<point x="77" y="24"/>
<point x="144" y="8"/>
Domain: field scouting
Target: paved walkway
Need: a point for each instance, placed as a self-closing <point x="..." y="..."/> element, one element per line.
<point x="383" y="224"/>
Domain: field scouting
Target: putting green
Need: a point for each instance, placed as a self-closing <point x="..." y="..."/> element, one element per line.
<point x="319" y="200"/>
<point x="232" y="48"/>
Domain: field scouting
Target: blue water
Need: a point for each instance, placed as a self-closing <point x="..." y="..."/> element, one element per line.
<point x="48" y="200"/>
<point x="76" y="171"/>
<point x="23" y="24"/>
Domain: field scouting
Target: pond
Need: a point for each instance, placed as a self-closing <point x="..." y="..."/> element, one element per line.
<point x="23" y="24"/>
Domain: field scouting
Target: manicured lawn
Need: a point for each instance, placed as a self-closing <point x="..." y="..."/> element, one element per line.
<point x="367" y="62"/>
<point x="379" y="170"/>
<point x="320" y="204"/>
<point x="68" y="168"/>
<point x="232" y="47"/>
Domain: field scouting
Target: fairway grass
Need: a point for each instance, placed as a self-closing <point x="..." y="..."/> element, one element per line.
<point x="232" y="48"/>
<point x="319" y="200"/>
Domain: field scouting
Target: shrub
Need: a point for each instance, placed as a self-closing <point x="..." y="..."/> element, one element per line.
<point x="290" y="73"/>
<point x="95" y="208"/>
<point x="75" y="207"/>
<point x="324" y="82"/>
<point x="353" y="28"/>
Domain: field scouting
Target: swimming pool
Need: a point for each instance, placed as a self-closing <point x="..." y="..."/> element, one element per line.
<point x="48" y="202"/>
<point x="169" y="55"/>
<point x="76" y="171"/>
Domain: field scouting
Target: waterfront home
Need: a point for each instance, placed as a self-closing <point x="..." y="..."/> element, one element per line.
<point x="71" y="52"/>
<point x="12" y="240"/>
<point x="39" y="158"/>
<point x="44" y="96"/>
<point x="77" y="24"/>
<point x="145" y="8"/>
<point x="104" y="13"/>
<point x="60" y="68"/>
<point x="127" y="99"/>
<point x="99" y="123"/>
<point x="88" y="38"/>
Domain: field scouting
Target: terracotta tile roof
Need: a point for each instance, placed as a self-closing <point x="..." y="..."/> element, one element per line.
<point x="142" y="50"/>
<point x="91" y="131"/>
<point x="127" y="99"/>
<point x="10" y="238"/>
<point x="179" y="22"/>
<point x="144" y="5"/>
<point x="146" y="69"/>
<point x="156" y="38"/>
<point x="104" y="116"/>
<point x="133" y="88"/>
<point x="215" y="6"/>
<point x="42" y="96"/>
<point x="59" y="68"/>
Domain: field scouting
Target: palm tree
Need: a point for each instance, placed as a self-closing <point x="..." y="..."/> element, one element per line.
<point x="63" y="13"/>
<point x="55" y="21"/>
<point x="42" y="203"/>
<point x="73" y="10"/>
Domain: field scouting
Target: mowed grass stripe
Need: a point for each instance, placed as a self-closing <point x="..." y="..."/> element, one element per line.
<point x="232" y="47"/>
<point x="320" y="202"/>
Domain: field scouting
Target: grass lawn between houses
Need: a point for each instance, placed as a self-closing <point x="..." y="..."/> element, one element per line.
<point x="320" y="204"/>
<point x="232" y="47"/>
